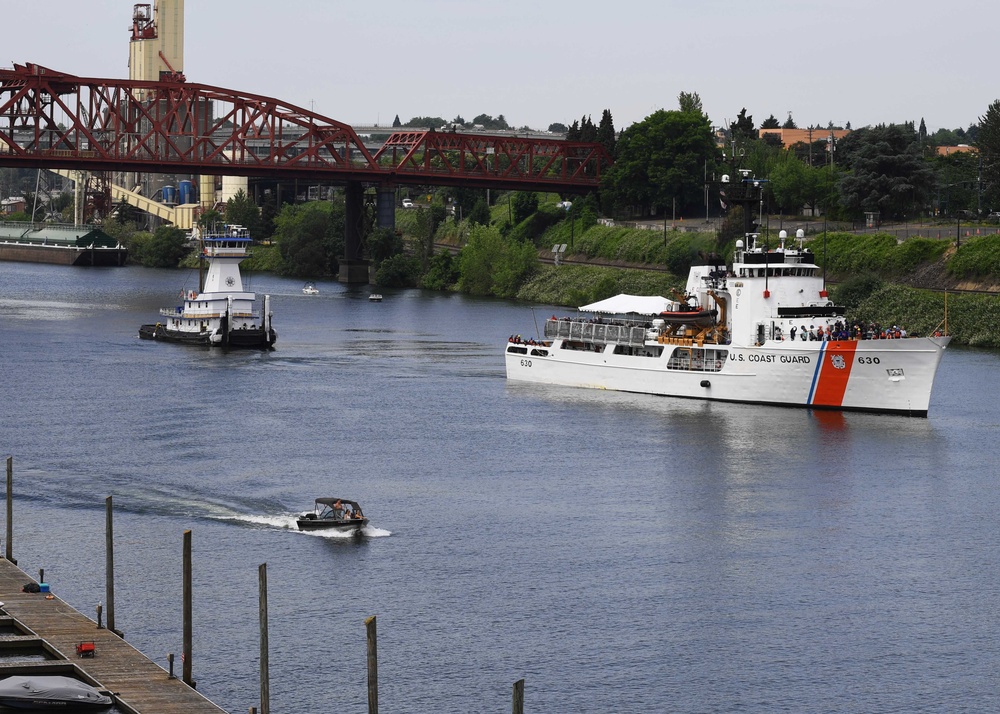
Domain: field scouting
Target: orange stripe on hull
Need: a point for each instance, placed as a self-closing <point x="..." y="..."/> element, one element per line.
<point x="838" y="360"/>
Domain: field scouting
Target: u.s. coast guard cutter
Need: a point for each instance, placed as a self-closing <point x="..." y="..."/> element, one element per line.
<point x="730" y="338"/>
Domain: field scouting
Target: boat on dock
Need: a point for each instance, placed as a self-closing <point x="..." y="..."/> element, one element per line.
<point x="220" y="313"/>
<point x="339" y="514"/>
<point x="762" y="331"/>
<point x="46" y="693"/>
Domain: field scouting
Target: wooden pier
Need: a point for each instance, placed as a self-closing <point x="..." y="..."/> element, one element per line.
<point x="49" y="627"/>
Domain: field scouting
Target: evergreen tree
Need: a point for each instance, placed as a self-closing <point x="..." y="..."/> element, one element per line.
<point x="573" y="133"/>
<point x="396" y="122"/>
<point x="771" y="123"/>
<point x="606" y="132"/>
<point x="887" y="172"/>
<point x="789" y="123"/>
<point x="690" y="102"/>
<point x="988" y="141"/>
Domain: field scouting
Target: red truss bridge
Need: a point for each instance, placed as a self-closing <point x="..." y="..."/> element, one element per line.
<point x="51" y="119"/>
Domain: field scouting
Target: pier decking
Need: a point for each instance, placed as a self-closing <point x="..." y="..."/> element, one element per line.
<point x="141" y="685"/>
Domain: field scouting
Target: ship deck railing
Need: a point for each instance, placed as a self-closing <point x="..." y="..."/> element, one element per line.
<point x="179" y="312"/>
<point x="595" y="332"/>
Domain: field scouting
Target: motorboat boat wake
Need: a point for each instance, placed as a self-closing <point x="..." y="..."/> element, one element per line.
<point x="339" y="514"/>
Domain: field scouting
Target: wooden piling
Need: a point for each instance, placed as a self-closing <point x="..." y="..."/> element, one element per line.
<point x="10" y="509"/>
<point x="186" y="654"/>
<point x="109" y="562"/>
<point x="265" y="675"/>
<point x="372" y="665"/>
<point x="517" y="699"/>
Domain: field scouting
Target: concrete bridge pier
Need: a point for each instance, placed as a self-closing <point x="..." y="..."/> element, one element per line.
<point x="353" y="268"/>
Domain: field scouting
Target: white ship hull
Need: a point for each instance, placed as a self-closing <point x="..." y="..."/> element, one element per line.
<point x="894" y="376"/>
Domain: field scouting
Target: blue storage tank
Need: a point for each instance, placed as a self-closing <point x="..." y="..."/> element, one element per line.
<point x="169" y="195"/>
<point x="185" y="191"/>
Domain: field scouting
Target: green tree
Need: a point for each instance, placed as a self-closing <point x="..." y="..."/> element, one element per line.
<point x="480" y="213"/>
<point x="396" y="123"/>
<point x="988" y="141"/>
<point x="310" y="238"/>
<point x="558" y="128"/>
<point x="606" y="132"/>
<point x="242" y="211"/>
<point x="886" y="171"/>
<point x="742" y="135"/>
<point x="489" y="265"/>
<point x="426" y="122"/>
<point x="268" y="212"/>
<point x="661" y="159"/>
<point x="771" y="123"/>
<point x="165" y="249"/>
<point x="789" y="123"/>
<point x="383" y="243"/>
<point x="211" y="218"/>
<point x="399" y="271"/>
<point x="690" y="102"/>
<point x="792" y="184"/>
<point x="442" y="272"/>
<point x="524" y="203"/>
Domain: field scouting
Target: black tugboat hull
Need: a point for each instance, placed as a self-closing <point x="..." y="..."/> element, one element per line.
<point x="249" y="339"/>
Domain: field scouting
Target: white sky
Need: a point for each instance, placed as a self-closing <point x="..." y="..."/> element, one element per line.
<point x="543" y="61"/>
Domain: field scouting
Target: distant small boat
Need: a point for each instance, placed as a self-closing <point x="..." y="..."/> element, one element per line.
<point x="52" y="693"/>
<point x="334" y="513"/>
<point x="310" y="289"/>
<point x="375" y="297"/>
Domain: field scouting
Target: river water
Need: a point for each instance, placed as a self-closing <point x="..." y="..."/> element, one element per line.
<point x="621" y="553"/>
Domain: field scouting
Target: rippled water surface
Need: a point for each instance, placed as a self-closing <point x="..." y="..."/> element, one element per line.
<point x="620" y="552"/>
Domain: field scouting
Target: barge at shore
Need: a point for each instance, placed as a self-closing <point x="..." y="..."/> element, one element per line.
<point x="59" y="245"/>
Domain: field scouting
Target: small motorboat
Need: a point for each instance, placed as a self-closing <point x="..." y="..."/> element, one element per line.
<point x="52" y="693"/>
<point x="375" y="297"/>
<point x="310" y="289"/>
<point x="339" y="514"/>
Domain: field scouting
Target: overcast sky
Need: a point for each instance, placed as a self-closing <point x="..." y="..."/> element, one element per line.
<point x="544" y="61"/>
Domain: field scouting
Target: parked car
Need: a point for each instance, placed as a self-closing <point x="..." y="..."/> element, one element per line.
<point x="407" y="203"/>
<point x="994" y="217"/>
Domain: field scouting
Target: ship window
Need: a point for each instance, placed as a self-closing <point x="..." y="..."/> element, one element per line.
<point x="697" y="359"/>
<point x="639" y="350"/>
<point x="539" y="353"/>
<point x="517" y="350"/>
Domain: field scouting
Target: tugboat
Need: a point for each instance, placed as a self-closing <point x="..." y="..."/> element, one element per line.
<point x="220" y="313"/>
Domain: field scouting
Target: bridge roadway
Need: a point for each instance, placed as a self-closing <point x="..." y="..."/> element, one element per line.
<point x="142" y="686"/>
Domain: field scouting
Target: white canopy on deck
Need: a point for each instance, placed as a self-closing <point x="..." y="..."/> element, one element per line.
<point x="624" y="304"/>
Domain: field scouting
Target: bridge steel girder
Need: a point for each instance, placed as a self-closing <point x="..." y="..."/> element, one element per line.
<point x="50" y="119"/>
<point x="484" y="161"/>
